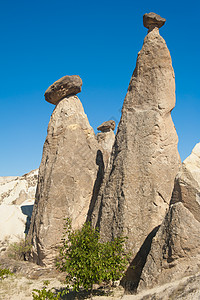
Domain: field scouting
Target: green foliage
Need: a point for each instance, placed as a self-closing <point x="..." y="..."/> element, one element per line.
<point x="19" y="250"/>
<point x="4" y="273"/>
<point x="87" y="261"/>
<point x="45" y="293"/>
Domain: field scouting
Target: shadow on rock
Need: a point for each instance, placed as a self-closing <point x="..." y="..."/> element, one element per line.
<point x="27" y="210"/>
<point x="84" y="294"/>
<point x="97" y="184"/>
<point x="132" y="276"/>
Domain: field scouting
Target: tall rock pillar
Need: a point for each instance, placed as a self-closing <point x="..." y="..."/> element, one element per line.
<point x="138" y="185"/>
<point x="67" y="172"/>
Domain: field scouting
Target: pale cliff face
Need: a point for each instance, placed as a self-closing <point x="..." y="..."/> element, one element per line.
<point x="17" y="196"/>
<point x="187" y="183"/>
<point x="192" y="163"/>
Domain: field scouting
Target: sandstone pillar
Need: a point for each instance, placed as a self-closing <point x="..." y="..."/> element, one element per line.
<point x="138" y="185"/>
<point x="67" y="172"/>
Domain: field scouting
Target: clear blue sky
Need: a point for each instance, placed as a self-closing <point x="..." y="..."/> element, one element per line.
<point x="42" y="41"/>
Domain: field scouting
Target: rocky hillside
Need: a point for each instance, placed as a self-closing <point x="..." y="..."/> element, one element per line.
<point x="17" y="196"/>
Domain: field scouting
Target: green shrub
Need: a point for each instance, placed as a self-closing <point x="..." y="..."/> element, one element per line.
<point x="19" y="250"/>
<point x="87" y="261"/>
<point x="5" y="273"/>
<point x="45" y="293"/>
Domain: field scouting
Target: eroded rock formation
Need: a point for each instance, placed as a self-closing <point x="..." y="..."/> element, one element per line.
<point x="175" y="250"/>
<point x="106" y="139"/>
<point x="186" y="288"/>
<point x="107" y="126"/>
<point x="67" y="175"/>
<point x="187" y="183"/>
<point x="17" y="196"/>
<point x="138" y="185"/>
<point x="126" y="193"/>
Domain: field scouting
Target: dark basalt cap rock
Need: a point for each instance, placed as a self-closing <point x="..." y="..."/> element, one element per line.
<point x="65" y="86"/>
<point x="152" y="20"/>
<point x="107" y="126"/>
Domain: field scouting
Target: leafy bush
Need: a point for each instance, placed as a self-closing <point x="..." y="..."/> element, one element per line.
<point x="45" y="293"/>
<point x="87" y="261"/>
<point x="4" y="273"/>
<point x="19" y="250"/>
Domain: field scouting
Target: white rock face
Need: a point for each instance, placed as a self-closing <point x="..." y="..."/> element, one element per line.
<point x="106" y="141"/>
<point x="17" y="195"/>
<point x="192" y="163"/>
<point x="187" y="183"/>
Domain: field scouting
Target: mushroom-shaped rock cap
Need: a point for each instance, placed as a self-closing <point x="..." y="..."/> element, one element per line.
<point x="65" y="86"/>
<point x="152" y="20"/>
<point x="107" y="126"/>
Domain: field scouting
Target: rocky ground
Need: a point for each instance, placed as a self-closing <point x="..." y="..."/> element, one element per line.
<point x="20" y="288"/>
<point x="29" y="276"/>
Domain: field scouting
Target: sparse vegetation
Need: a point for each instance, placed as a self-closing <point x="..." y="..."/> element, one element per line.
<point x="45" y="293"/>
<point x="5" y="273"/>
<point x="87" y="261"/>
<point x="19" y="250"/>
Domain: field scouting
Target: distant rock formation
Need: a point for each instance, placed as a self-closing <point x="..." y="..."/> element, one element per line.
<point x="107" y="126"/>
<point x="106" y="139"/>
<point x="187" y="183"/>
<point x="67" y="176"/>
<point x="138" y="185"/>
<point x="17" y="196"/>
<point x="175" y="250"/>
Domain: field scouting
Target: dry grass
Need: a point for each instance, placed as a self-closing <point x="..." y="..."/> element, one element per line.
<point x="20" y="288"/>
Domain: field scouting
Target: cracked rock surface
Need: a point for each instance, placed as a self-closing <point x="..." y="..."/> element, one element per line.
<point x="138" y="184"/>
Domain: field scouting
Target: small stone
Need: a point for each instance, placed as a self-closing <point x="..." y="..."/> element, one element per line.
<point x="65" y="86"/>
<point x="107" y="126"/>
<point x="152" y="20"/>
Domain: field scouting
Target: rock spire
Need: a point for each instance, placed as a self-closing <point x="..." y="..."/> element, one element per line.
<point x="67" y="174"/>
<point x="106" y="139"/>
<point x="138" y="184"/>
